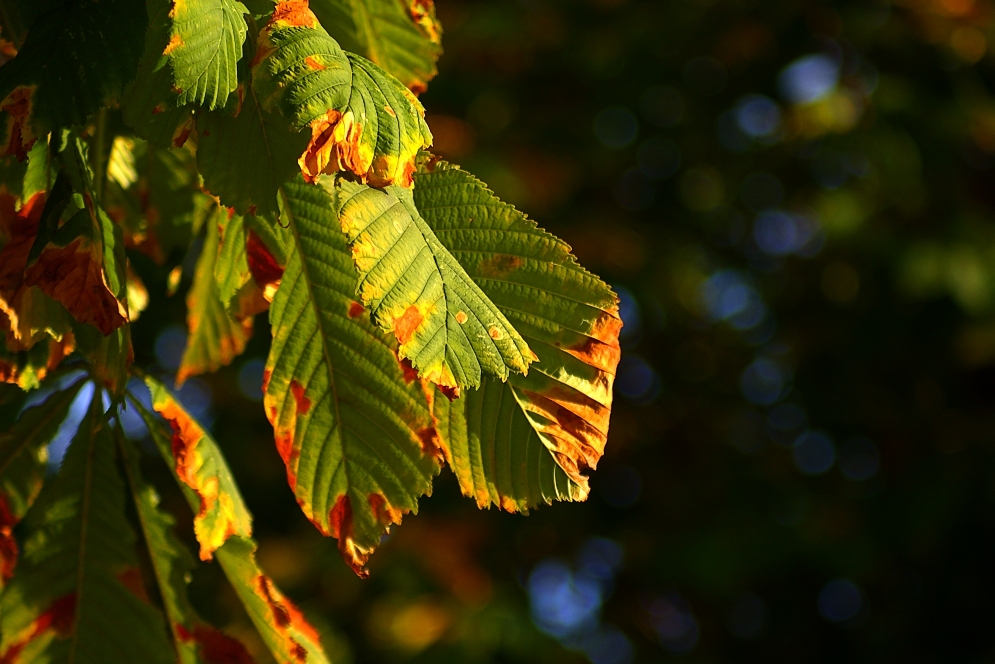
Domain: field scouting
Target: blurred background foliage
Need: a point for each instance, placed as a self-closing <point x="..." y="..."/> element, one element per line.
<point x="793" y="200"/>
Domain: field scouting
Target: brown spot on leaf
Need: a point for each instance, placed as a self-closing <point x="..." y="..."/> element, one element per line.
<point x="355" y="310"/>
<point x="406" y="324"/>
<point x="58" y="618"/>
<point x="340" y="521"/>
<point x="18" y="106"/>
<point x="499" y="266"/>
<point x="417" y="87"/>
<point x="266" y="270"/>
<point x="408" y="371"/>
<point x="431" y="444"/>
<point x="303" y="403"/>
<point x="423" y="14"/>
<point x="131" y="578"/>
<point x="266" y="375"/>
<point x="182" y="131"/>
<point x="175" y="42"/>
<point x="8" y="545"/>
<point x="451" y="391"/>
<point x="383" y="511"/>
<point x="461" y="317"/>
<point x="495" y="333"/>
<point x="215" y="647"/>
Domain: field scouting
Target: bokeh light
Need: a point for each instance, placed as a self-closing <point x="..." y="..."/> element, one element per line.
<point x="813" y="452"/>
<point x="859" y="459"/>
<point x="840" y="600"/>
<point x="809" y="79"/>
<point x="616" y="127"/>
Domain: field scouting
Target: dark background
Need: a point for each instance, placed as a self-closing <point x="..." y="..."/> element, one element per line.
<point x="794" y="201"/>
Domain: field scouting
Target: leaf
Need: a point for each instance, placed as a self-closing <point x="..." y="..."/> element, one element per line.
<point x="445" y="324"/>
<point x="352" y="427"/>
<point x="282" y="626"/>
<point x="109" y="356"/>
<point x="23" y="453"/>
<point x="67" y="68"/>
<point x="569" y="318"/>
<point x="205" y="45"/>
<point x="245" y="153"/>
<point x="201" y="467"/>
<point x="215" y="338"/>
<point x="172" y="565"/>
<point x="250" y="264"/>
<point x="362" y="119"/>
<point x="149" y="103"/>
<point x="402" y="36"/>
<point x="77" y="594"/>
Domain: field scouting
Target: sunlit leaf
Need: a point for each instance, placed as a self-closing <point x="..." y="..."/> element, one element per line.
<point x="215" y="338"/>
<point x="402" y="36"/>
<point x="221" y="513"/>
<point x="77" y="594"/>
<point x="569" y="318"/>
<point x="352" y="426"/>
<point x="362" y="119"/>
<point x="194" y="640"/>
<point x="283" y="628"/>
<point x="68" y="67"/>
<point x="415" y="288"/>
<point x="22" y="467"/>
<point x="205" y="44"/>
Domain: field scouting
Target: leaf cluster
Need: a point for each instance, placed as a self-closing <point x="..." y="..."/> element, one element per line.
<point x="416" y="319"/>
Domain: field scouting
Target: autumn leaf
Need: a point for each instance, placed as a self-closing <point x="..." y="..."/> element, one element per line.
<point x="198" y="463"/>
<point x="501" y="438"/>
<point x="250" y="264"/>
<point x="281" y="625"/>
<point x="23" y="454"/>
<point x="193" y="639"/>
<point x="362" y="119"/>
<point x="417" y="290"/>
<point x="352" y="427"/>
<point x="215" y="338"/>
<point x="403" y="36"/>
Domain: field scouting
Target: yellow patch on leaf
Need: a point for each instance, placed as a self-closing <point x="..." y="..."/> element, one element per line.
<point x="423" y="14"/>
<point x="175" y="42"/>
<point x="294" y="14"/>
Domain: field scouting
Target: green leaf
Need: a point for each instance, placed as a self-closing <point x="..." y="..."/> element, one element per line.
<point x="109" y="356"/>
<point x="402" y="36"/>
<point x="204" y="48"/>
<point x="198" y="463"/>
<point x="353" y="428"/>
<point x="172" y="565"/>
<point x="215" y="338"/>
<point x="149" y="103"/>
<point x="282" y="626"/>
<point x="23" y="454"/>
<point x="69" y="67"/>
<point x="569" y="318"/>
<point x="245" y="153"/>
<point x="445" y="324"/>
<point x="362" y="119"/>
<point x="78" y="595"/>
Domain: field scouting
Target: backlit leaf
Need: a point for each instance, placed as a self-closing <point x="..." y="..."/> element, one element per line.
<point x="402" y="36"/>
<point x="22" y="467"/>
<point x="352" y="426"/>
<point x="362" y="119"/>
<point x="283" y="628"/>
<point x="68" y="67"/>
<point x="250" y="264"/>
<point x="201" y="467"/>
<point x="194" y="641"/>
<point x="204" y="47"/>
<point x="215" y="338"/>
<point x="569" y="318"/>
<point x="415" y="288"/>
<point x="77" y="595"/>
<point x="245" y="153"/>
<point x="109" y="356"/>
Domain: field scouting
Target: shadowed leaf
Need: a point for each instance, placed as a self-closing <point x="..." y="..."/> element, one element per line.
<point x="77" y="595"/>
